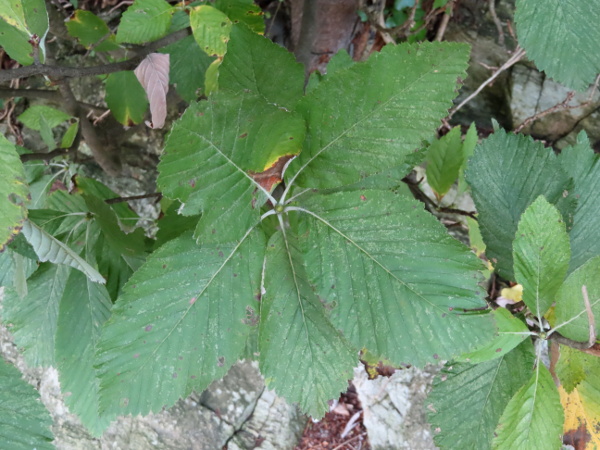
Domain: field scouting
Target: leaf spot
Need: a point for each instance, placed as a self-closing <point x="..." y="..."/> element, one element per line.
<point x="221" y="361"/>
<point x="192" y="183"/>
<point x="192" y="300"/>
<point x="148" y="328"/>
<point x="137" y="355"/>
<point x="174" y="374"/>
<point x="164" y="266"/>
<point x="435" y="356"/>
<point x="221" y="254"/>
<point x="498" y="350"/>
<point x="235" y="275"/>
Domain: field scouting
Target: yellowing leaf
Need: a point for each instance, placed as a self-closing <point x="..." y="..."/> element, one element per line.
<point x="582" y="426"/>
<point x="514" y="293"/>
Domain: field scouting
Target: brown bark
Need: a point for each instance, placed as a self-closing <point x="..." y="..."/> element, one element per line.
<point x="327" y="26"/>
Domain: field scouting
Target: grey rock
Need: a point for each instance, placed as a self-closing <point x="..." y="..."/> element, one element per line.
<point x="394" y="413"/>
<point x="533" y="93"/>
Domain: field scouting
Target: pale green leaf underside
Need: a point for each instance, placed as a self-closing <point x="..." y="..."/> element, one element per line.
<point x="507" y="173"/>
<point x="467" y="400"/>
<point x="562" y="38"/>
<point x="583" y="165"/>
<point x="444" y="159"/>
<point x="13" y="192"/>
<point x="84" y="307"/>
<point x="511" y="332"/>
<point x="32" y="319"/>
<point x="533" y="418"/>
<point x="570" y="304"/>
<point x="211" y="153"/>
<point x="398" y="98"/>
<point x="541" y="254"/>
<point x="180" y="323"/>
<point x="144" y="21"/>
<point x="24" y="422"/>
<point x="302" y="356"/>
<point x="48" y="248"/>
<point x="396" y="282"/>
<point x="255" y="63"/>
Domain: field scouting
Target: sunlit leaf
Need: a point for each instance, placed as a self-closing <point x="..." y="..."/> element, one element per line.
<point x="144" y="21"/>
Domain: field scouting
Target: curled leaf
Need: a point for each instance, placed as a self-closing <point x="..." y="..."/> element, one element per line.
<point x="153" y="74"/>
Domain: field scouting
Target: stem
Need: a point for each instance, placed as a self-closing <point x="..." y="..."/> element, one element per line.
<point x="60" y="72"/>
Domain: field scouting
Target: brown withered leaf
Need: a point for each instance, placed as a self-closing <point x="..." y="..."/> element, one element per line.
<point x="273" y="175"/>
<point x="582" y="424"/>
<point x="153" y="74"/>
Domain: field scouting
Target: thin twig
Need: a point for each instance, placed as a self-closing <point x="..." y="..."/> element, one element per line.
<point x="560" y="106"/>
<point x="60" y="72"/>
<point x="492" y="8"/>
<point x="515" y="58"/>
<point x="350" y="440"/>
<point x="442" y="28"/>
<point x="110" y="201"/>
<point x="45" y="156"/>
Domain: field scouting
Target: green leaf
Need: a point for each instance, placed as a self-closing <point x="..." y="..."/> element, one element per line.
<point x="583" y="165"/>
<point x="172" y="224"/>
<point x="13" y="192"/>
<point x="511" y="332"/>
<point x="145" y="21"/>
<point x="302" y="356"/>
<point x="444" y="160"/>
<point x="32" y="319"/>
<point x="467" y="400"/>
<point x="211" y="29"/>
<point x="16" y="43"/>
<point x="24" y="422"/>
<point x="255" y="63"/>
<point x="506" y="174"/>
<point x="127" y="217"/>
<point x="340" y="61"/>
<point x="213" y="152"/>
<point x="36" y="17"/>
<point x="574" y="26"/>
<point x="46" y="133"/>
<point x="405" y="91"/>
<point x="69" y="136"/>
<point x="32" y="116"/>
<point x="126" y="97"/>
<point x="468" y="147"/>
<point x="84" y="307"/>
<point x="245" y="11"/>
<point x="574" y="366"/>
<point x="131" y="246"/>
<point x="188" y="66"/>
<point x="395" y="281"/>
<point x="570" y="306"/>
<point x="48" y="248"/>
<point x="541" y="254"/>
<point x="12" y="12"/>
<point x="180" y="323"/>
<point x="533" y="418"/>
<point x="88" y="28"/>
